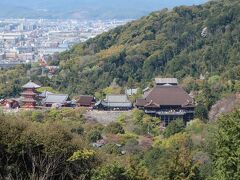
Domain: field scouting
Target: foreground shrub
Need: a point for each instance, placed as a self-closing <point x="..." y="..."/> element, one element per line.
<point x="112" y="149"/>
<point x="114" y="128"/>
<point x="94" y="135"/>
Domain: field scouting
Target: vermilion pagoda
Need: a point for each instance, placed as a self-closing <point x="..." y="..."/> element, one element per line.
<point x="29" y="95"/>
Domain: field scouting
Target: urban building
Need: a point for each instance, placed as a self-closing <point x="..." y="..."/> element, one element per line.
<point x="25" y="41"/>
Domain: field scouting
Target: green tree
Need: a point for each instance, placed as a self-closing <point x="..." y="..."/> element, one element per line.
<point x="112" y="148"/>
<point x="174" y="127"/>
<point x="201" y="112"/>
<point x="227" y="155"/>
<point x="112" y="172"/>
<point x="114" y="128"/>
<point x="37" y="116"/>
<point x="94" y="135"/>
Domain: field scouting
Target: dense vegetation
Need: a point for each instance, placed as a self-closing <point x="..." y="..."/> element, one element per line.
<point x="57" y="144"/>
<point x="54" y="145"/>
<point x="165" y="43"/>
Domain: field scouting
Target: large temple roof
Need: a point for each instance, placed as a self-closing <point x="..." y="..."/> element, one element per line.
<point x="31" y="84"/>
<point x="166" y="95"/>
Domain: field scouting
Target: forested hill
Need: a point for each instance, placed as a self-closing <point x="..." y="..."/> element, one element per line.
<point x="165" y="43"/>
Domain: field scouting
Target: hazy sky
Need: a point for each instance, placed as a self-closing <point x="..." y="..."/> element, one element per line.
<point x="90" y="8"/>
<point x="47" y="3"/>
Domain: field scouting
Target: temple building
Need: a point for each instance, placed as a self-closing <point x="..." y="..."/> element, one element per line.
<point x="114" y="102"/>
<point x="85" y="101"/>
<point x="168" y="101"/>
<point x="29" y="95"/>
<point x="10" y="103"/>
<point x="57" y="100"/>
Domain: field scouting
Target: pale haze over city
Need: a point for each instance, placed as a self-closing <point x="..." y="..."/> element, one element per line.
<point x="31" y="29"/>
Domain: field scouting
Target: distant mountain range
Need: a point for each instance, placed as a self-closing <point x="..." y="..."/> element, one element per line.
<point x="87" y="9"/>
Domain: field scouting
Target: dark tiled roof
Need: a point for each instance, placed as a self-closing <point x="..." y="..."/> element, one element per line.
<point x="56" y="98"/>
<point x="115" y="101"/>
<point x="141" y="102"/>
<point x="121" y="98"/>
<point x="152" y="104"/>
<point x="85" y="100"/>
<point x="167" y="95"/>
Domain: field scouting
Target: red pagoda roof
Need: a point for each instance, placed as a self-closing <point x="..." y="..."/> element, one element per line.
<point x="28" y="100"/>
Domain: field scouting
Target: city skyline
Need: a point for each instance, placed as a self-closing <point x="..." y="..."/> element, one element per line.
<point x="28" y="40"/>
